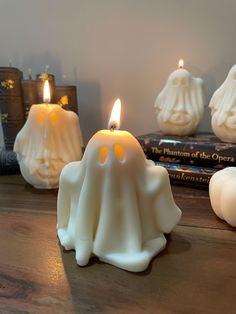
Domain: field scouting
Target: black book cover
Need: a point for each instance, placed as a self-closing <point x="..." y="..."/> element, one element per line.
<point x="203" y="150"/>
<point x="192" y="176"/>
<point x="8" y="163"/>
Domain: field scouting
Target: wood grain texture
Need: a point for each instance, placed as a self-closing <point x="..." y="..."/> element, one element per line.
<point x="195" y="274"/>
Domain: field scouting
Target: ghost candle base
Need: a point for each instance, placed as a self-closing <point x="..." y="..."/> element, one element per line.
<point x="115" y="204"/>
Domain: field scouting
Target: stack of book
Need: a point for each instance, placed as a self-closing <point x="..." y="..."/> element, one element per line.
<point x="189" y="160"/>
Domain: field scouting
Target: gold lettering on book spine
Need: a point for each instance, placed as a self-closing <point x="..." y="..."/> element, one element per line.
<point x="193" y="155"/>
<point x="189" y="178"/>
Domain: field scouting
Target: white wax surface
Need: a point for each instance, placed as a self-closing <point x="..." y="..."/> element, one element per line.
<point x="50" y="138"/>
<point x="179" y="106"/>
<point x="223" y="109"/>
<point x="115" y="204"/>
<point x="222" y="191"/>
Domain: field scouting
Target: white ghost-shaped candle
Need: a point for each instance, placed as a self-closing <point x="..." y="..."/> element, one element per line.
<point x="114" y="203"/>
<point x="179" y="106"/>
<point x="223" y="109"/>
<point x="222" y="189"/>
<point x="50" y="139"/>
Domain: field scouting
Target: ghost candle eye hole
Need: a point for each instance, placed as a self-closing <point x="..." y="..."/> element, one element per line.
<point x="184" y="81"/>
<point x="41" y="117"/>
<point x="175" y="81"/>
<point x="102" y="154"/>
<point x="119" y="151"/>
<point x="53" y="118"/>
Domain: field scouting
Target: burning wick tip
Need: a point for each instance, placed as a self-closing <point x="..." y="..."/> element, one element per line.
<point x="113" y="126"/>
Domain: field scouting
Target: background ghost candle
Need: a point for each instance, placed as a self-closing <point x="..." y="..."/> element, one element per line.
<point x="114" y="203"/>
<point x="223" y="108"/>
<point x="179" y="106"/>
<point x="50" y="138"/>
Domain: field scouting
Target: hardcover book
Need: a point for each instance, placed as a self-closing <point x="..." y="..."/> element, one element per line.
<point x="203" y="150"/>
<point x="192" y="176"/>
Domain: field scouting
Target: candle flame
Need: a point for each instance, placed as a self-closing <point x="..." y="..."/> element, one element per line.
<point x="114" y="122"/>
<point x="181" y="64"/>
<point x="46" y="93"/>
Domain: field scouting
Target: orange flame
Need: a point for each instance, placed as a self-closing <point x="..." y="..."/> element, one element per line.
<point x="181" y="64"/>
<point x="114" y="122"/>
<point x="46" y="93"/>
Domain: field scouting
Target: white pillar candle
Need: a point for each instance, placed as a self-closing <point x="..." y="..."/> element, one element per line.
<point x="179" y="106"/>
<point x="50" y="138"/>
<point x="223" y="109"/>
<point x="114" y="203"/>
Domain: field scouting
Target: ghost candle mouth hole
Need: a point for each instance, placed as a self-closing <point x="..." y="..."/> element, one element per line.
<point x="102" y="154"/>
<point x="119" y="151"/>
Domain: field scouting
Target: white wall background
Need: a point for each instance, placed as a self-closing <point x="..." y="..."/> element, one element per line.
<point x="125" y="48"/>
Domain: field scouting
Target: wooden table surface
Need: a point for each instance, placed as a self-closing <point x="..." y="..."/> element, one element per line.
<point x="196" y="273"/>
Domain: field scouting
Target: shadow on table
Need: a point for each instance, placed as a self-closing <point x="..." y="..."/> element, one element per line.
<point x="101" y="287"/>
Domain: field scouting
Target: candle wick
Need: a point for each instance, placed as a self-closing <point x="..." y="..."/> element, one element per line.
<point x="30" y="74"/>
<point x="113" y="127"/>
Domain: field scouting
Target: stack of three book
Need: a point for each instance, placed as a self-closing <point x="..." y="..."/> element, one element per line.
<point x="189" y="160"/>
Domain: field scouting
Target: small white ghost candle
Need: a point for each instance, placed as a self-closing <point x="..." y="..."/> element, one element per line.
<point x="50" y="138"/>
<point x="223" y="109"/>
<point x="114" y="203"/>
<point x="179" y="106"/>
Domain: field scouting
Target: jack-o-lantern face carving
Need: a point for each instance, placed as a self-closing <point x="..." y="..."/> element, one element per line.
<point x="179" y="106"/>
<point x="50" y="138"/>
<point x="223" y="109"/>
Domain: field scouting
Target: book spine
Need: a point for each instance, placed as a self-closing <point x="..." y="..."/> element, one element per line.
<point x="8" y="163"/>
<point x="30" y="97"/>
<point x="194" y="154"/>
<point x="11" y="104"/>
<point x="189" y="178"/>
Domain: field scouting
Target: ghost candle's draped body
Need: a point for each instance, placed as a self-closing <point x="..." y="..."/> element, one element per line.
<point x="115" y="204"/>
<point x="50" y="138"/>
<point x="179" y="106"/>
<point x="223" y="109"/>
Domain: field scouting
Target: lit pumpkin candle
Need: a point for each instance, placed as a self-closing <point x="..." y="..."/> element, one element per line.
<point x="114" y="203"/>
<point x="179" y="106"/>
<point x="50" y="138"/>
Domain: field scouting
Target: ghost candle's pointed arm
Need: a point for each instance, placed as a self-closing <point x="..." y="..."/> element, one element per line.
<point x="167" y="213"/>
